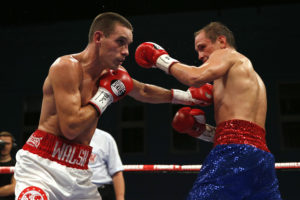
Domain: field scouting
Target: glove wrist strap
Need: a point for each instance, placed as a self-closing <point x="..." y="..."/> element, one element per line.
<point x="181" y="97"/>
<point x="209" y="134"/>
<point x="101" y="100"/>
<point x="164" y="62"/>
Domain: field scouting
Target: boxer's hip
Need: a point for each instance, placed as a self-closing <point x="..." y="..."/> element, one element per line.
<point x="240" y="132"/>
<point x="58" y="149"/>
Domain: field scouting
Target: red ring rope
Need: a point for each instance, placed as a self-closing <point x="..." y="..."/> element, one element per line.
<point x="175" y="168"/>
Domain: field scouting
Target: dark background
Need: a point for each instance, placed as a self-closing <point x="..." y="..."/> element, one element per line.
<point x="29" y="12"/>
<point x="33" y="34"/>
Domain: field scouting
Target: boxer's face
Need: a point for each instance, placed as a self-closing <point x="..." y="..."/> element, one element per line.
<point x="114" y="47"/>
<point x="204" y="46"/>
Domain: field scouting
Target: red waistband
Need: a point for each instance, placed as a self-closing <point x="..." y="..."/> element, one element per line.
<point x="58" y="149"/>
<point x="241" y="132"/>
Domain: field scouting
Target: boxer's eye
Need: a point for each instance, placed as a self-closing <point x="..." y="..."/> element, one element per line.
<point x="121" y="42"/>
<point x="201" y="47"/>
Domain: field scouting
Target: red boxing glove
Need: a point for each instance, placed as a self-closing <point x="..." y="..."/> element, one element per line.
<point x="204" y="94"/>
<point x="193" y="122"/>
<point x="149" y="54"/>
<point x="185" y="121"/>
<point x="113" y="85"/>
<point x="201" y="96"/>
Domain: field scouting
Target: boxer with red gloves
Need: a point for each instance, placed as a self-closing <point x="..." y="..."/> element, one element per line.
<point x="59" y="150"/>
<point x="193" y="122"/>
<point x="113" y="85"/>
<point x="240" y="152"/>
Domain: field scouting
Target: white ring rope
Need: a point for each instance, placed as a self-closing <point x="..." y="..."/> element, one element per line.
<point x="175" y="168"/>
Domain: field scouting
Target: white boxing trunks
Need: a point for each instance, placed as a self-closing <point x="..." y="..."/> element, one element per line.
<point x="51" y="168"/>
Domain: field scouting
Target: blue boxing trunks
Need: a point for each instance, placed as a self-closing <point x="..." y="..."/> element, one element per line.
<point x="239" y="167"/>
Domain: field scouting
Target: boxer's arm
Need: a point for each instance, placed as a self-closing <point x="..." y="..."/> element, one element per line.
<point x="154" y="94"/>
<point x="150" y="93"/>
<point x="215" y="67"/>
<point x="73" y="118"/>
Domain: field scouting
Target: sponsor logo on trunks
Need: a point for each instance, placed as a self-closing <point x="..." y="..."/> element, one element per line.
<point x="32" y="193"/>
<point x="34" y="141"/>
<point x="70" y="154"/>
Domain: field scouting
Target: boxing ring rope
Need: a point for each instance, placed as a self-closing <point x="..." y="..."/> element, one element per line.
<point x="168" y="168"/>
<point x="194" y="168"/>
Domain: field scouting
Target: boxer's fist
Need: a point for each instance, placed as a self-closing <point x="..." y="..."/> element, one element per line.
<point x="149" y="55"/>
<point x="113" y="85"/>
<point x="190" y="121"/>
<point x="193" y="122"/>
<point x="117" y="82"/>
<point x="201" y="96"/>
<point x="204" y="94"/>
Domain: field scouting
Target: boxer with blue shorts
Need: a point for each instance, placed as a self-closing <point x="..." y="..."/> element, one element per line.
<point x="240" y="167"/>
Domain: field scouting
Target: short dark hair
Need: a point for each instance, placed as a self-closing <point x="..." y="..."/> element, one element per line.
<point x="215" y="29"/>
<point x="7" y="134"/>
<point x="106" y="23"/>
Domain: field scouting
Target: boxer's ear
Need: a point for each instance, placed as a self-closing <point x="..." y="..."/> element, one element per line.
<point x="98" y="35"/>
<point x="222" y="40"/>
